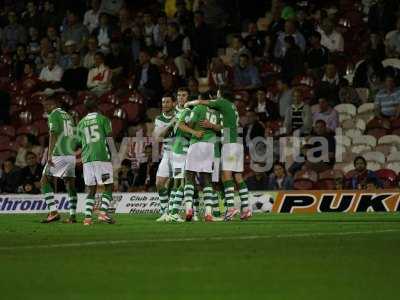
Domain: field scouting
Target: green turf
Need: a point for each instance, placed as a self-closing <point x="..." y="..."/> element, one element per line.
<point x="327" y="256"/>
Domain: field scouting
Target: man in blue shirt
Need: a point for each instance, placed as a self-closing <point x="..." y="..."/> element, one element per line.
<point x="246" y="76"/>
<point x="387" y="101"/>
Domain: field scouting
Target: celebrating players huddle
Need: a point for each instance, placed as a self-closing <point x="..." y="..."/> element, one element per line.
<point x="200" y="144"/>
<point x="200" y="138"/>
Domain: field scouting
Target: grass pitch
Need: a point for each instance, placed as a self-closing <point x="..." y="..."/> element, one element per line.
<point x="326" y="256"/>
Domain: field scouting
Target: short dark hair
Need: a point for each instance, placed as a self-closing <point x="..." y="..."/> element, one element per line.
<point x="126" y="163"/>
<point x="90" y="103"/>
<point x="320" y="121"/>
<point x="226" y="92"/>
<point x="30" y="153"/>
<point x="316" y="35"/>
<point x="101" y="54"/>
<point x="183" y="89"/>
<point x="245" y="55"/>
<point x="360" y="158"/>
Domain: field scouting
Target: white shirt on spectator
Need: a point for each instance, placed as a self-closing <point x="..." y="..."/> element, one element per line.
<point x="99" y="79"/>
<point x="55" y="74"/>
<point x="334" y="42"/>
<point x="91" y="19"/>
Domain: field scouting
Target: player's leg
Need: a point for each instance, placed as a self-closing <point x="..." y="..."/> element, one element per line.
<point x="244" y="196"/>
<point x="162" y="190"/>
<point x="196" y="203"/>
<point x="208" y="197"/>
<point x="105" y="177"/>
<point x="188" y="194"/>
<point x="179" y="188"/>
<point x="90" y="199"/>
<point x="216" y="187"/>
<point x="228" y="155"/>
<point x="106" y="199"/>
<point x="72" y="199"/>
<point x="48" y="194"/>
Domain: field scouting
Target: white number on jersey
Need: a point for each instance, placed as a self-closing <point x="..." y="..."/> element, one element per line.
<point x="92" y="134"/>
<point x="68" y="129"/>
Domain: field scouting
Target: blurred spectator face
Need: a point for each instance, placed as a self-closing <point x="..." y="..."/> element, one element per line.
<point x="51" y="59"/>
<point x="72" y="19"/>
<point x="251" y="117"/>
<point x="92" y="44"/>
<point x="323" y="105"/>
<point x="24" y="141"/>
<point x="236" y="43"/>
<point x="44" y="44"/>
<point x="281" y="86"/>
<point x="48" y="6"/>
<point x="360" y="165"/>
<point x="193" y="86"/>
<point x="167" y="81"/>
<point x="290" y="28"/>
<point x="182" y="97"/>
<point x="330" y="71"/>
<point x="252" y="28"/>
<point x="243" y="62"/>
<point x="172" y="31"/>
<point x="327" y="26"/>
<point x="167" y="104"/>
<point x="76" y="59"/>
<point x="12" y="17"/>
<point x="103" y="20"/>
<point x="31" y="159"/>
<point x="95" y="4"/>
<point x="70" y="49"/>
<point x="260" y="96"/>
<point x="144" y="58"/>
<point x="30" y="7"/>
<point x="28" y="69"/>
<point x="21" y="51"/>
<point x="218" y="65"/>
<point x="198" y="18"/>
<point x="301" y="15"/>
<point x="51" y="32"/>
<point x="33" y="33"/>
<point x="279" y="171"/>
<point x="123" y="15"/>
<point x="162" y="20"/>
<point x="8" y="166"/>
<point x="390" y="84"/>
<point x="320" y="128"/>
<point x="98" y="60"/>
<point x="297" y="97"/>
<point x="147" y="19"/>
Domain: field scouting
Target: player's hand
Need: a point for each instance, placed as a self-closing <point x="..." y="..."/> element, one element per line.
<point x="206" y="124"/>
<point x="199" y="134"/>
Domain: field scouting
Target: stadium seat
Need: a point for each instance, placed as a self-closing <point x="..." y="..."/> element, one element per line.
<point x="366" y="108"/>
<point x="395" y="124"/>
<point x="385" y="149"/>
<point x="396" y="132"/>
<point x="42" y="126"/>
<point x="117" y="126"/>
<point x="364" y="140"/>
<point x="106" y="109"/>
<point x="375" y="156"/>
<point x="132" y="111"/>
<point x="7" y="130"/>
<point x="110" y="98"/>
<point x="303" y="184"/>
<point x="68" y="100"/>
<point x="391" y="62"/>
<point x="36" y="110"/>
<point x="395" y="166"/>
<point x="25" y="117"/>
<point x="82" y="96"/>
<point x="394" y="156"/>
<point x="390" y="140"/>
<point x="343" y="140"/>
<point x="345" y="168"/>
<point x="80" y="109"/>
<point x="5" y="154"/>
<point x="4" y="142"/>
<point x="19" y="100"/>
<point x="27" y="129"/>
<point x="378" y="123"/>
<point x="373" y="165"/>
<point x="377" y="132"/>
<point x="352" y="133"/>
<point x="358" y="149"/>
<point x="346" y="108"/>
<point x="388" y="177"/>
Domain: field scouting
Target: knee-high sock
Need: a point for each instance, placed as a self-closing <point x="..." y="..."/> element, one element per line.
<point x="48" y="194"/>
<point x="89" y="206"/>
<point x="244" y="195"/>
<point x="163" y="196"/>
<point x="215" y="210"/>
<point x="229" y="193"/>
<point x="188" y="194"/>
<point x="106" y="198"/>
<point x="178" y="200"/>
<point x="171" y="200"/>
<point x="208" y="199"/>
<point x="73" y="201"/>
<point x="196" y="201"/>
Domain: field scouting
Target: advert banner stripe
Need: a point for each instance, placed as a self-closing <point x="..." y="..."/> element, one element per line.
<point x="201" y="239"/>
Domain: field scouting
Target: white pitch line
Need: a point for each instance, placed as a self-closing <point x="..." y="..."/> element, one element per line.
<point x="195" y="239"/>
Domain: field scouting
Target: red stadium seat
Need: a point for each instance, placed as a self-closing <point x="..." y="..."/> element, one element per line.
<point x="117" y="126"/>
<point x="37" y="111"/>
<point x="303" y="184"/>
<point x="106" y="109"/>
<point x="132" y="111"/>
<point x="7" y="130"/>
<point x="84" y="95"/>
<point x="396" y="131"/>
<point x="327" y="184"/>
<point x="42" y="126"/>
<point x="378" y="123"/>
<point x="395" y="124"/>
<point x="5" y="154"/>
<point x="68" y="100"/>
<point x="377" y="132"/>
<point x="80" y="109"/>
<point x="27" y="129"/>
<point x="388" y="177"/>
<point x="4" y="142"/>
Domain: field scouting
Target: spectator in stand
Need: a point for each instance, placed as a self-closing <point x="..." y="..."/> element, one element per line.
<point x="246" y="76"/>
<point x="147" y="77"/>
<point x="293" y="60"/>
<point x="183" y="15"/>
<point x="88" y="60"/>
<point x="33" y="46"/>
<point x="31" y="18"/>
<point x="219" y="74"/>
<point x="112" y="7"/>
<point x="29" y="143"/>
<point x="104" y="33"/>
<point x="236" y="49"/>
<point x="280" y="179"/>
<point x="49" y="16"/>
<point x="348" y="94"/>
<point x="13" y="34"/>
<point x="99" y="78"/>
<point x="29" y="80"/>
<point x="160" y="31"/>
<point x="91" y="17"/>
<point x="304" y="25"/>
<point x="126" y="177"/>
<point x="18" y="61"/>
<point x="360" y="176"/>
<point x="375" y="46"/>
<point x="124" y="21"/>
<point x="66" y="59"/>
<point x="330" y="38"/>
<point x="257" y="182"/>
<point x="387" y="101"/>
<point x="328" y="88"/>
<point x="328" y="114"/>
<point x="45" y="49"/>
<point x="382" y="15"/>
<point x="254" y="40"/>
<point x="74" y="78"/>
<point x="31" y="175"/>
<point x="369" y="74"/>
<point x="317" y="55"/>
<point x="393" y="42"/>
<point x="75" y="31"/>
<point x="252" y="130"/>
<point x="118" y="61"/>
<point x="322" y="145"/>
<point x="298" y="115"/>
<point x="9" y="179"/>
<point x="201" y="43"/>
<point x="177" y="47"/>
<point x="290" y="30"/>
<point x="193" y="86"/>
<point x="265" y="109"/>
<point x="148" y="30"/>
<point x="285" y="96"/>
<point x="51" y="75"/>
<point x="53" y="38"/>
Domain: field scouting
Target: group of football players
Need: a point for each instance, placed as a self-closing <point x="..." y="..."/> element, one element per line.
<point x="200" y="145"/>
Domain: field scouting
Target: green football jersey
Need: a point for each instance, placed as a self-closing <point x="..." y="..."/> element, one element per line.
<point x="93" y="131"/>
<point x="61" y="124"/>
<point x="230" y="118"/>
<point x="198" y="114"/>
<point x="217" y="145"/>
<point x="181" y="139"/>
<point x="161" y="122"/>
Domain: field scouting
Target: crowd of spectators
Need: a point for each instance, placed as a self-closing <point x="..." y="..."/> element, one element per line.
<point x="289" y="67"/>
